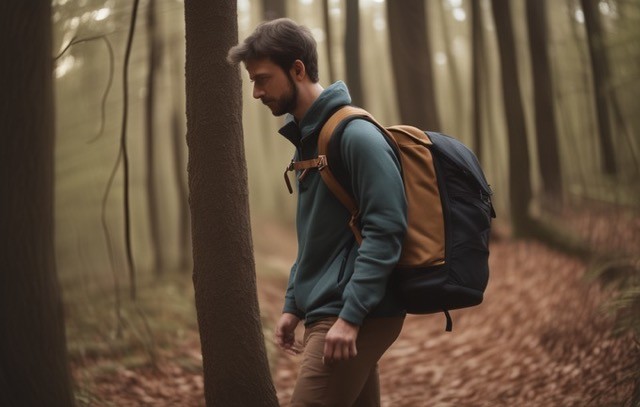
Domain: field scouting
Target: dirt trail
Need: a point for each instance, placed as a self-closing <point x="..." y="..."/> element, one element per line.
<point x="539" y="339"/>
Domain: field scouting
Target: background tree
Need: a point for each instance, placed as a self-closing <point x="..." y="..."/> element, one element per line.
<point x="546" y="129"/>
<point x="153" y="41"/>
<point x="272" y="9"/>
<point x="457" y="104"/>
<point x="175" y="61"/>
<point x="600" y="78"/>
<point x="327" y="40"/>
<point x="412" y="63"/>
<point x="519" y="169"/>
<point x="352" y="52"/>
<point x="236" y="371"/>
<point x="33" y="355"/>
<point x="477" y="62"/>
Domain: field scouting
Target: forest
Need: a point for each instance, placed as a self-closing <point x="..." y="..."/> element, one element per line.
<point x="147" y="234"/>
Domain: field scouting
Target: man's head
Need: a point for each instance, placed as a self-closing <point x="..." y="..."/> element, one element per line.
<point x="283" y="42"/>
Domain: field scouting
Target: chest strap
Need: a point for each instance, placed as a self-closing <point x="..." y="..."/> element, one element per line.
<point x="320" y="163"/>
<point x="316" y="163"/>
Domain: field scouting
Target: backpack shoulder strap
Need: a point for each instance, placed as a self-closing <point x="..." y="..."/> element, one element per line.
<point x="345" y="112"/>
<point x="320" y="163"/>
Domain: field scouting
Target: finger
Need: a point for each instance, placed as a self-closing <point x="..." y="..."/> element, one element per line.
<point x="328" y="352"/>
<point x="353" y="350"/>
<point x="338" y="352"/>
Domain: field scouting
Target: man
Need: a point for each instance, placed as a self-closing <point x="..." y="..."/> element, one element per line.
<point x="338" y="288"/>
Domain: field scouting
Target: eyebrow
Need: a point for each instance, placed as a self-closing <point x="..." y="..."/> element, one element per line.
<point x="260" y="76"/>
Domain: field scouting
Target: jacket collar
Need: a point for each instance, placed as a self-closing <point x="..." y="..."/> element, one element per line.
<point x="330" y="99"/>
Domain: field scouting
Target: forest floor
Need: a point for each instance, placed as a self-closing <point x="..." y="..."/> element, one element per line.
<point x="542" y="337"/>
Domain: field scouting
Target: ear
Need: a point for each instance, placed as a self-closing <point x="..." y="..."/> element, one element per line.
<point x="298" y="70"/>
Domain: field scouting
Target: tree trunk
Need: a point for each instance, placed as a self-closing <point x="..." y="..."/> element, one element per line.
<point x="327" y="41"/>
<point x="184" y="229"/>
<point x="352" y="52"/>
<point x="546" y="130"/>
<point x="272" y="9"/>
<point x="236" y="370"/>
<point x="452" y="63"/>
<point x="412" y="63"/>
<point x="600" y="78"/>
<point x="477" y="55"/>
<point x="152" y="193"/>
<point x="519" y="171"/>
<point x="175" y="57"/>
<point x="33" y="355"/>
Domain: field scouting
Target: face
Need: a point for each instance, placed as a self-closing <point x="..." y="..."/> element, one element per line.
<point x="273" y="86"/>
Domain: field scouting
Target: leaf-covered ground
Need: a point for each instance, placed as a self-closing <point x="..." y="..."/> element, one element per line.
<point x="541" y="338"/>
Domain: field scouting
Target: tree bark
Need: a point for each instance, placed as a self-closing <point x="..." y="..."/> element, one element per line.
<point x="519" y="168"/>
<point x="33" y="355"/>
<point x="236" y="371"/>
<point x="600" y="79"/>
<point x="546" y="129"/>
<point x="152" y="192"/>
<point x="412" y="63"/>
<point x="352" y="52"/>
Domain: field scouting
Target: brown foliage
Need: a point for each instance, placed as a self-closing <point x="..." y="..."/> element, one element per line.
<point x="541" y="337"/>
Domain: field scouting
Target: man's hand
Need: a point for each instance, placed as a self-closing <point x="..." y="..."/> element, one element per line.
<point x="340" y="342"/>
<point x="285" y="334"/>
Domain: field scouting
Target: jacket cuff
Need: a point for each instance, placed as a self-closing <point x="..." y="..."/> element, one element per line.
<point x="352" y="313"/>
<point x="290" y="308"/>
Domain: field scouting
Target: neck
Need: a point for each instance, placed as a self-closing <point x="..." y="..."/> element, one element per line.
<point x="307" y="94"/>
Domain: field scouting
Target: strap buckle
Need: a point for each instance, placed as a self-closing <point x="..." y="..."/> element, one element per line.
<point x="322" y="162"/>
<point x="286" y="176"/>
<point x="319" y="164"/>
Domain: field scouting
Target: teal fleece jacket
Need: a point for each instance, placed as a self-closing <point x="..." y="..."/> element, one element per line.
<point x="332" y="275"/>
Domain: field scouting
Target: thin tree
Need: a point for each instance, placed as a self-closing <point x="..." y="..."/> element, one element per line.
<point x="175" y="58"/>
<point x="412" y="63"/>
<point x="272" y="9"/>
<point x="452" y="63"/>
<point x="352" y="52"/>
<point x="600" y="78"/>
<point x="33" y="354"/>
<point x="236" y="371"/>
<point x="477" y="63"/>
<point x="179" y="166"/>
<point x="152" y="192"/>
<point x="544" y="101"/>
<point x="519" y="168"/>
<point x="327" y="35"/>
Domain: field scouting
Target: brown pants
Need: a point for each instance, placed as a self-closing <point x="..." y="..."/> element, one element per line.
<point x="348" y="383"/>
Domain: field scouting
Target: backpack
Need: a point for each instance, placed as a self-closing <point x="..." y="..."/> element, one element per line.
<point x="444" y="261"/>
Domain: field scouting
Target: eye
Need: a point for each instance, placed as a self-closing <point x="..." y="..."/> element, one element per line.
<point x="260" y="80"/>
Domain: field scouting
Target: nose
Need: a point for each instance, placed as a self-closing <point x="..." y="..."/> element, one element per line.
<point x="257" y="92"/>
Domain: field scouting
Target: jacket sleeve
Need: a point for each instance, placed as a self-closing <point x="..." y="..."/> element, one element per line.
<point x="290" y="306"/>
<point x="375" y="176"/>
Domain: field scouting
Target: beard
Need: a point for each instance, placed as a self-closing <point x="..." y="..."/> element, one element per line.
<point x="285" y="103"/>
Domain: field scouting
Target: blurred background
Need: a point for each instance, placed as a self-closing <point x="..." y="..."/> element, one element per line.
<point x="545" y="93"/>
<point x="89" y="108"/>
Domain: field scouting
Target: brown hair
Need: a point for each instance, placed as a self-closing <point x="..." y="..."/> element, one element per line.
<point x="282" y="41"/>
